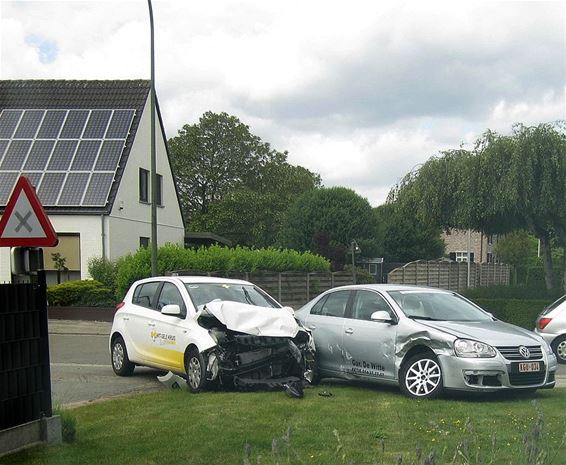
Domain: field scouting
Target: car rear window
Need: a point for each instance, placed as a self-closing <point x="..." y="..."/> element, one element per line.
<point x="144" y="294"/>
<point x="553" y="305"/>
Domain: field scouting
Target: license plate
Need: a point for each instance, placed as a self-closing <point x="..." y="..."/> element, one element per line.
<point x="527" y="367"/>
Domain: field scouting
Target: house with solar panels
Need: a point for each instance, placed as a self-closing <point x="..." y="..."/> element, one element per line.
<point x="85" y="146"/>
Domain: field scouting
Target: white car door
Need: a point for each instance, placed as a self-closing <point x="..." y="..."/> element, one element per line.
<point x="170" y="331"/>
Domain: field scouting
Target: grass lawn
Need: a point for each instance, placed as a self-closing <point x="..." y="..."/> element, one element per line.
<point x="374" y="425"/>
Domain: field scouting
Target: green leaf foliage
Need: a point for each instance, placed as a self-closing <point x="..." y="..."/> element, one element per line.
<point x="87" y="293"/>
<point x="325" y="219"/>
<point x="522" y="313"/>
<point x="213" y="259"/>
<point x="232" y="183"/>
<point x="103" y="270"/>
<point x="505" y="183"/>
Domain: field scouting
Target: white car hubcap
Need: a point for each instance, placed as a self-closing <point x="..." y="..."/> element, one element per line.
<point x="422" y="377"/>
<point x="118" y="356"/>
<point x="194" y="372"/>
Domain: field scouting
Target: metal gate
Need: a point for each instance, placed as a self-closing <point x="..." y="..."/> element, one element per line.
<point x="25" y="380"/>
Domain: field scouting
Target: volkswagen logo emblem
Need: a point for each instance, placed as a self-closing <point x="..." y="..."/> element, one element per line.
<point x="524" y="351"/>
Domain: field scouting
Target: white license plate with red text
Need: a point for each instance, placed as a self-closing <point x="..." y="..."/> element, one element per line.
<point x="528" y="367"/>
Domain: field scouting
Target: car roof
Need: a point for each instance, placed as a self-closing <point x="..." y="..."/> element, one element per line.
<point x="196" y="280"/>
<point x="392" y="287"/>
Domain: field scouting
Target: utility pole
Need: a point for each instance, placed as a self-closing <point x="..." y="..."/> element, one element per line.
<point x="153" y="173"/>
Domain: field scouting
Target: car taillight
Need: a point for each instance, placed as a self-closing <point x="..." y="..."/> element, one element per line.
<point x="120" y="305"/>
<point x="543" y="322"/>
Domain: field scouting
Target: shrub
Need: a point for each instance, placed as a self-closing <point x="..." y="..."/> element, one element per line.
<point x="88" y="293"/>
<point x="103" y="270"/>
<point x="362" y="276"/>
<point x="511" y="292"/>
<point x="172" y="257"/>
<point x="518" y="312"/>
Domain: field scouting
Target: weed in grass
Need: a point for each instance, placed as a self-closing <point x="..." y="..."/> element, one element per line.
<point x="474" y="448"/>
<point x="68" y="424"/>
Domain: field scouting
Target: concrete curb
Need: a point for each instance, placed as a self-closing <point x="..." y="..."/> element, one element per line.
<point x="72" y="327"/>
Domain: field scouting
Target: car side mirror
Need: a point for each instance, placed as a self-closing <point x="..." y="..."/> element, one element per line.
<point x="381" y="315"/>
<point x="172" y="310"/>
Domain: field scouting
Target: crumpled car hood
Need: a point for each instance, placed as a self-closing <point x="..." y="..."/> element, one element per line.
<point x="495" y="333"/>
<point x="255" y="320"/>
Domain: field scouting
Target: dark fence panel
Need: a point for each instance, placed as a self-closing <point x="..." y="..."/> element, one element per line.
<point x="25" y="383"/>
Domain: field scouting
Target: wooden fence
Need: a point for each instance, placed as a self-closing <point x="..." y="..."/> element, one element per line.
<point x="291" y="288"/>
<point x="450" y="275"/>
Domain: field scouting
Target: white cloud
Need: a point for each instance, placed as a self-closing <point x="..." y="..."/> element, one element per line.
<point x="359" y="91"/>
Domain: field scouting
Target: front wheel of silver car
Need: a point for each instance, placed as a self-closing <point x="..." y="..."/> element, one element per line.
<point x="196" y="370"/>
<point x="559" y="348"/>
<point x="421" y="377"/>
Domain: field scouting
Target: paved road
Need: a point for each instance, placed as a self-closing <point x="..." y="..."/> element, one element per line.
<point x="80" y="365"/>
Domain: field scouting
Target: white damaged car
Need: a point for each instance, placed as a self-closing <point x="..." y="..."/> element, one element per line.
<point x="211" y="331"/>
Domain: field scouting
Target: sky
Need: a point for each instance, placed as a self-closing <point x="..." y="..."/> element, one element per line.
<point x="360" y="92"/>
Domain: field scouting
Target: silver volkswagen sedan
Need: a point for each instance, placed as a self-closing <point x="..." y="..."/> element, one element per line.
<point x="425" y="340"/>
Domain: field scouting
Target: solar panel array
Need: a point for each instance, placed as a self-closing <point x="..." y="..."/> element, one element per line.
<point x="70" y="156"/>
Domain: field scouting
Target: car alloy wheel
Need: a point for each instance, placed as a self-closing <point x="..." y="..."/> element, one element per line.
<point x="120" y="361"/>
<point x="194" y="372"/>
<point x="422" y="377"/>
<point x="118" y="356"/>
<point x="560" y="349"/>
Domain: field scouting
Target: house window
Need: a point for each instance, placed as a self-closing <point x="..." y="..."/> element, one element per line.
<point x="463" y="256"/>
<point x="144" y="185"/>
<point x="144" y="242"/>
<point x="159" y="199"/>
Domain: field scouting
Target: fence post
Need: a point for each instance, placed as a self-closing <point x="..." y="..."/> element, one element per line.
<point x="279" y="287"/>
<point x="308" y="286"/>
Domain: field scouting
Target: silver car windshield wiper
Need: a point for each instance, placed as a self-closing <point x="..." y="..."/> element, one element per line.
<point x="428" y="318"/>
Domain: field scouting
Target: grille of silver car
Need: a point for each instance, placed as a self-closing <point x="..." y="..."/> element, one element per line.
<point x="512" y="352"/>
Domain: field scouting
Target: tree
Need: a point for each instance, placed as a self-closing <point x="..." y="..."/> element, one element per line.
<point x="404" y="238"/>
<point x="233" y="184"/>
<point x="505" y="183"/>
<point x="517" y="248"/>
<point x="326" y="220"/>
<point x="215" y="156"/>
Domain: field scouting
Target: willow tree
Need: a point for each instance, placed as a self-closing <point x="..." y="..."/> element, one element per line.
<point x="505" y="183"/>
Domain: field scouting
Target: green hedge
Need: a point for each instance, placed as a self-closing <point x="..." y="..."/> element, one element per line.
<point x="174" y="257"/>
<point x="87" y="293"/>
<point x="518" y="312"/>
<point x="511" y="292"/>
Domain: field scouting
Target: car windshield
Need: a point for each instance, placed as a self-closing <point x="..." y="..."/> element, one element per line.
<point x="203" y="293"/>
<point x="437" y="306"/>
<point x="553" y="305"/>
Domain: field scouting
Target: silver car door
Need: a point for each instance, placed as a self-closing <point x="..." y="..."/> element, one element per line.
<point x="326" y="323"/>
<point x="369" y="345"/>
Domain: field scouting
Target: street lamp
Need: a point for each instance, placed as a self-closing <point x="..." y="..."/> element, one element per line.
<point x="354" y="249"/>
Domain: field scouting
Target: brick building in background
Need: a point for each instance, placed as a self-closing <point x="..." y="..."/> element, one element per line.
<point x="482" y="246"/>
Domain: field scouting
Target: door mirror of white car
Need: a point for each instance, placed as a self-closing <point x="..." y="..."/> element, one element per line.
<point x="381" y="315"/>
<point x="171" y="309"/>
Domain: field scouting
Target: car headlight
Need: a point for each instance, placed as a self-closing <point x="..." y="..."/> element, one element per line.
<point x="473" y="349"/>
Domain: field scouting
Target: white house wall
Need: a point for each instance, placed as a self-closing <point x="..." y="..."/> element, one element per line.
<point x="130" y="219"/>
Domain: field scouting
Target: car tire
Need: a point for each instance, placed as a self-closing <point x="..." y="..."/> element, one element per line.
<point x="195" y="367"/>
<point x="421" y="377"/>
<point x="119" y="358"/>
<point x="559" y="348"/>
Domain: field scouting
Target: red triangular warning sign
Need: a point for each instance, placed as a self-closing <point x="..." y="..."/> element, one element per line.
<point x="24" y="222"/>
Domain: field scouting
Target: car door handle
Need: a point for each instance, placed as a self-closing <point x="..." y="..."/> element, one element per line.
<point x="126" y="318"/>
<point x="312" y="326"/>
<point x="349" y="331"/>
<point x="151" y="324"/>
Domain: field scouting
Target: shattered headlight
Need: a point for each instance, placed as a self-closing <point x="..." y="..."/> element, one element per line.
<point x="473" y="349"/>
